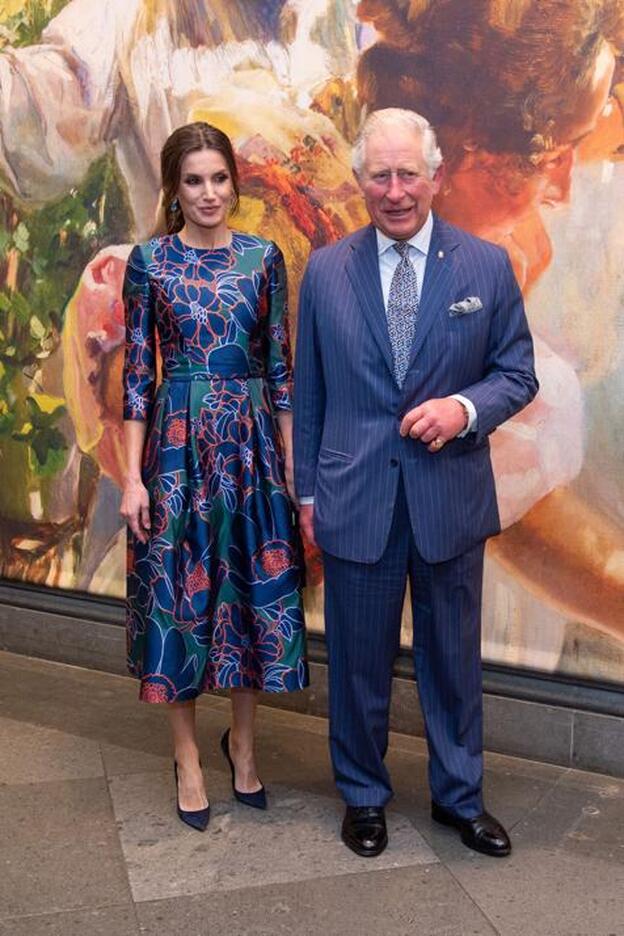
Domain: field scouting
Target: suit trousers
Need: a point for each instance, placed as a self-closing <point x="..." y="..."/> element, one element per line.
<point x="363" y="605"/>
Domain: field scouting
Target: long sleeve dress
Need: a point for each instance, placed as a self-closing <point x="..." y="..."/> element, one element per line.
<point x="214" y="596"/>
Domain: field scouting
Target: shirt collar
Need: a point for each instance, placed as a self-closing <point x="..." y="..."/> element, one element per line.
<point x="420" y="241"/>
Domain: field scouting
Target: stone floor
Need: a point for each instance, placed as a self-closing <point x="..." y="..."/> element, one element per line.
<point x="90" y="844"/>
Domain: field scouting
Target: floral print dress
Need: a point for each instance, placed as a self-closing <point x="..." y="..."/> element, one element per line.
<point x="214" y="596"/>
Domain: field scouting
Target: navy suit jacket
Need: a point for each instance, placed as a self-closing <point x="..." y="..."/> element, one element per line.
<point x="348" y="405"/>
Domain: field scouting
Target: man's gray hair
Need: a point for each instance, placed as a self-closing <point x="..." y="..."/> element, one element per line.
<point x="393" y="117"/>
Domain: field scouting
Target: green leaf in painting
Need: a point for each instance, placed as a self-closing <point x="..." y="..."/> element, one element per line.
<point x="47" y="445"/>
<point x="7" y="418"/>
<point x="21" y="237"/>
<point x="37" y="328"/>
<point x="55" y="462"/>
<point x="20" y="307"/>
<point x="39" y="264"/>
<point x="45" y="409"/>
<point x="25" y="433"/>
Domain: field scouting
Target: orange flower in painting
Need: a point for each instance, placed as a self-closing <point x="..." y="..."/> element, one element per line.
<point x="176" y="433"/>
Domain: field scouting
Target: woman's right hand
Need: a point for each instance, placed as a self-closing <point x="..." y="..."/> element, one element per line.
<point x="135" y="509"/>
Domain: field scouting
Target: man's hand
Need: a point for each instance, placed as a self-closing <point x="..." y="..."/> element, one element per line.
<point x="306" y="522"/>
<point x="435" y="422"/>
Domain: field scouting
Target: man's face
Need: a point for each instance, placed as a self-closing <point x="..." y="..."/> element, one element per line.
<point x="396" y="183"/>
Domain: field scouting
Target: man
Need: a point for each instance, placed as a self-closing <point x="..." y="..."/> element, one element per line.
<point x="412" y="347"/>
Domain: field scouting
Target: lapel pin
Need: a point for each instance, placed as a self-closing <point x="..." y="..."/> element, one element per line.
<point x="440" y="254"/>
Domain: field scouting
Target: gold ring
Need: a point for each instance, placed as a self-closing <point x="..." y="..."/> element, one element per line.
<point x="437" y="443"/>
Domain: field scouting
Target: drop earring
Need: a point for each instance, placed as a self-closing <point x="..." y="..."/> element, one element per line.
<point x="175" y="205"/>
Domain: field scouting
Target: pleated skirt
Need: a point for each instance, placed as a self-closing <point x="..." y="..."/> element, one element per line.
<point x="214" y="596"/>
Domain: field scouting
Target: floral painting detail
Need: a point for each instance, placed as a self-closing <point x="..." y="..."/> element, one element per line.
<point x="214" y="596"/>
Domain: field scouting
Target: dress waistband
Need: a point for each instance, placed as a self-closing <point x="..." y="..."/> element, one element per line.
<point x="185" y="372"/>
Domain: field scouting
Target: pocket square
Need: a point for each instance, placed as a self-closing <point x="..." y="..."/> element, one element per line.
<point x="466" y="306"/>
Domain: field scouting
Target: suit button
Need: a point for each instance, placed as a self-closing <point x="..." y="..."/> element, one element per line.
<point x="394" y="462"/>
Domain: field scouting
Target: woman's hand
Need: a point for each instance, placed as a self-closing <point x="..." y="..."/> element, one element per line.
<point x="135" y="509"/>
<point x="284" y="422"/>
<point x="289" y="472"/>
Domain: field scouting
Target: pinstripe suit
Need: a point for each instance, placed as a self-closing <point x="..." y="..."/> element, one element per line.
<point x="386" y="508"/>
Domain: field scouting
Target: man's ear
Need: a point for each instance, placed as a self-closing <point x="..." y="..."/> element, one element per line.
<point x="438" y="178"/>
<point x="357" y="178"/>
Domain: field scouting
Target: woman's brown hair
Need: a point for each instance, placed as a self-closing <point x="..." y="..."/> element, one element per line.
<point x="191" y="138"/>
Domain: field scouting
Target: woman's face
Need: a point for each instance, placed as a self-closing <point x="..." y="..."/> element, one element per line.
<point x="591" y="105"/>
<point x="490" y="195"/>
<point x="205" y="191"/>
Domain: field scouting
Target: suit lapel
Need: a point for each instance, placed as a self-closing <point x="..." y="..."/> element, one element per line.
<point x="437" y="282"/>
<point x="363" y="272"/>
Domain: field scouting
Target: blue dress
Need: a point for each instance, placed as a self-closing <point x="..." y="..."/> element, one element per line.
<point x="214" y="596"/>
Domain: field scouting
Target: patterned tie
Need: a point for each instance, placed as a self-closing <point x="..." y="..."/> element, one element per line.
<point x="402" y="310"/>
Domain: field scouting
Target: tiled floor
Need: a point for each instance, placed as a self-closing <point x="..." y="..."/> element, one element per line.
<point x="90" y="844"/>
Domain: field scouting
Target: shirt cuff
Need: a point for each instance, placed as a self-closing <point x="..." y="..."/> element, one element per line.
<point x="305" y="501"/>
<point x="472" y="414"/>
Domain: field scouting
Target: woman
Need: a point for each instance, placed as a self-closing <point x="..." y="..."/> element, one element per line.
<point x="214" y="596"/>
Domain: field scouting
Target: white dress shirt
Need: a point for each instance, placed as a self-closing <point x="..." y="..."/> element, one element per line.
<point x="389" y="259"/>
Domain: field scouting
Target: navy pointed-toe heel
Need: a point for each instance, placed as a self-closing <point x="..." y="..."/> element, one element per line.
<point x="256" y="799"/>
<point x="195" y="818"/>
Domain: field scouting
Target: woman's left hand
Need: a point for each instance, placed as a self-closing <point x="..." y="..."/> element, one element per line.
<point x="289" y="472"/>
<point x="284" y="422"/>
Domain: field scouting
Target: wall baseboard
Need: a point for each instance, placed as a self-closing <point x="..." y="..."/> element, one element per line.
<point x="525" y="714"/>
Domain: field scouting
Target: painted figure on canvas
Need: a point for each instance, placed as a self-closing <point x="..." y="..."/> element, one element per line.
<point x="290" y="81"/>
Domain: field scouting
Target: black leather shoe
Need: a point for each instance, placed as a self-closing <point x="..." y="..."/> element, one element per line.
<point x="257" y="799"/>
<point x="484" y="833"/>
<point x="197" y="819"/>
<point x="364" y="830"/>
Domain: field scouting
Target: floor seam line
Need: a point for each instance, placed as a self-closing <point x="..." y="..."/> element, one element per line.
<point x="544" y="796"/>
<point x="323" y="877"/>
<point x="65" y="910"/>
<point x="472" y="900"/>
<point x="121" y="849"/>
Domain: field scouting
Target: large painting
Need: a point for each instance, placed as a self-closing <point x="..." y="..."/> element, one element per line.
<point x="527" y="97"/>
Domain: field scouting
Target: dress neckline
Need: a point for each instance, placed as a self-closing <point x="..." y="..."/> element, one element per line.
<point x="184" y="246"/>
